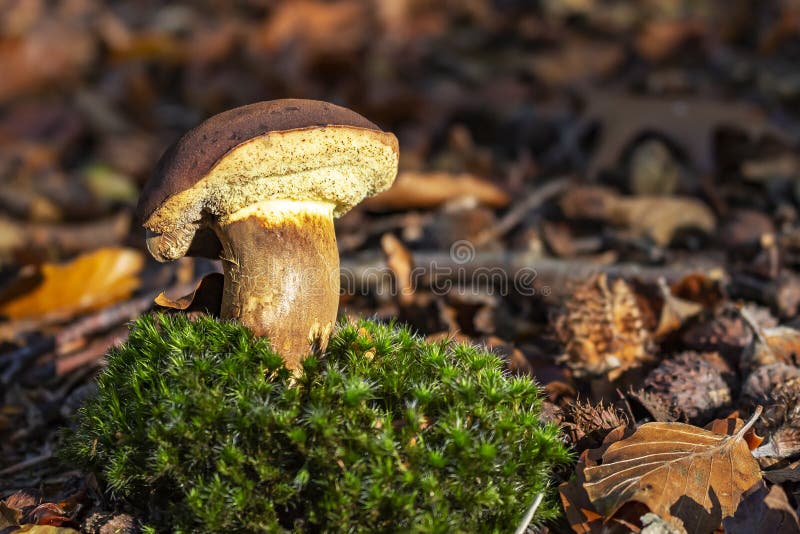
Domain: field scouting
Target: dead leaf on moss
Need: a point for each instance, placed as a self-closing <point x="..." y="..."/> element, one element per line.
<point x="689" y="476"/>
<point x="86" y="283"/>
<point x="432" y="189"/>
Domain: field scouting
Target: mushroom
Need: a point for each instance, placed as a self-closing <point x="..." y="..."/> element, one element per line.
<point x="258" y="186"/>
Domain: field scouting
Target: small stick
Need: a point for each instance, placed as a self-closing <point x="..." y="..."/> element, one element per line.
<point x="516" y="214"/>
<point x="62" y="342"/>
<point x="523" y="525"/>
<point x="25" y="464"/>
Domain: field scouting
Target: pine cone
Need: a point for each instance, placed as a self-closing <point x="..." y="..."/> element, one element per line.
<point x="603" y="330"/>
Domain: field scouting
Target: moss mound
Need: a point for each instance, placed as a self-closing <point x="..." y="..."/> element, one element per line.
<point x="200" y="426"/>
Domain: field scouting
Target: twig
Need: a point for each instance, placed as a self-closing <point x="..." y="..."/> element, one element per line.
<point x="523" y="525"/>
<point x="25" y="464"/>
<point x="60" y="343"/>
<point x="516" y="214"/>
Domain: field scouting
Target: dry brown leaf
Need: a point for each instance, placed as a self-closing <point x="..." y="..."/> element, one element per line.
<point x="660" y="38"/>
<point x="432" y="189"/>
<point x="86" y="283"/>
<point x="674" y="312"/>
<point x="52" y="52"/>
<point x="658" y="217"/>
<point x="206" y="297"/>
<point x="691" y="477"/>
<point x="661" y="217"/>
<point x="315" y="28"/>
<point x="690" y="123"/>
<point x="401" y="262"/>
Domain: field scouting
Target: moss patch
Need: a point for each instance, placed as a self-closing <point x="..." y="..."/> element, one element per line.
<point x="200" y="426"/>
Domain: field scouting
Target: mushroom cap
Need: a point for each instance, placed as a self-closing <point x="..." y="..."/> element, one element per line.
<point x="288" y="149"/>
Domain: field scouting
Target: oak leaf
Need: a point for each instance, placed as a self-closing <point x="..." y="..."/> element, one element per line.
<point x="691" y="477"/>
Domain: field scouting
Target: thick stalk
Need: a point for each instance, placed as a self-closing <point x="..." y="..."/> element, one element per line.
<point x="281" y="270"/>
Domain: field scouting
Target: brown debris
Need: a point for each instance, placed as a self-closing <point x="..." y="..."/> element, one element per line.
<point x="764" y="510"/>
<point x="602" y="330"/>
<point x="587" y="425"/>
<point x="689" y="122"/>
<point x="697" y="386"/>
<point x="659" y="218"/>
<point x="432" y="189"/>
<point x="677" y="453"/>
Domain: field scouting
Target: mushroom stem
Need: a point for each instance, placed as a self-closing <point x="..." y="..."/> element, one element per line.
<point x="281" y="270"/>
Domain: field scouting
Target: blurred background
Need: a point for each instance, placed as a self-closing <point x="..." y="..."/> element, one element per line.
<point x="513" y="92"/>
<point x="653" y="137"/>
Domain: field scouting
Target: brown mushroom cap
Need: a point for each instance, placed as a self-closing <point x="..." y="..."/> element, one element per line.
<point x="302" y="150"/>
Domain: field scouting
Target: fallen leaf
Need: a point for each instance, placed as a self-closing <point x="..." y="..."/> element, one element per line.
<point x="660" y="38"/>
<point x="86" y="283"/>
<point x="401" y="262"/>
<point x="690" y="477"/>
<point x="432" y="189"/>
<point x="661" y="217"/>
<point x="206" y="297"/>
<point x="675" y="311"/>
<point x="578" y="509"/>
<point x="730" y="426"/>
<point x="110" y="186"/>
<point x="52" y="52"/>
<point x="764" y="510"/>
<point x="690" y="123"/>
<point x="314" y="28"/>
<point x="45" y="529"/>
<point x="779" y="344"/>
<point x="658" y="217"/>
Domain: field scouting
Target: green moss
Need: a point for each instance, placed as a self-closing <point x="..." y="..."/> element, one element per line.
<point x="383" y="433"/>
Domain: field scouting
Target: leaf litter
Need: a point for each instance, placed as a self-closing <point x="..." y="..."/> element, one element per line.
<point x="637" y="161"/>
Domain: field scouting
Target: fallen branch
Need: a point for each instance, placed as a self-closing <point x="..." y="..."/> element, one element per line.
<point x="526" y="270"/>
